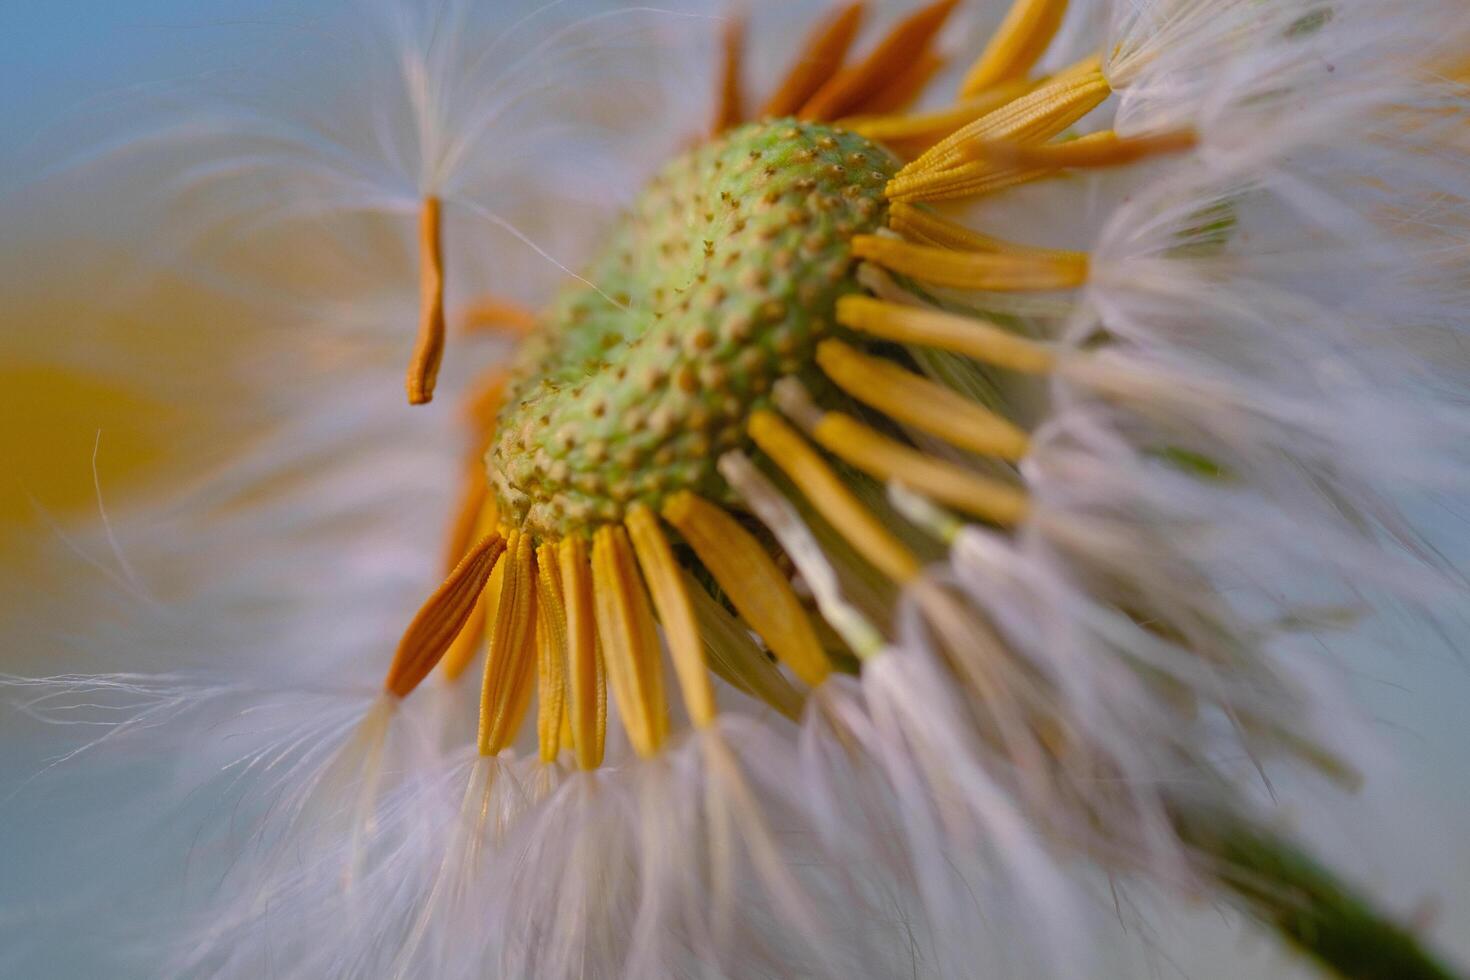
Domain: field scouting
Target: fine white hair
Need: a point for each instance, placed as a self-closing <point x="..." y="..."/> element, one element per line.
<point x="1232" y="485"/>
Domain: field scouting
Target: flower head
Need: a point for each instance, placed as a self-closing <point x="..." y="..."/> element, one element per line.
<point x="980" y="466"/>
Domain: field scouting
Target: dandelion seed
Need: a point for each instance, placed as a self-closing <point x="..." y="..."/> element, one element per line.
<point x="1004" y="514"/>
<point x="546" y="484"/>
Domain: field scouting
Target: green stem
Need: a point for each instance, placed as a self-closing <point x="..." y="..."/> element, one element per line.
<point x="1313" y="909"/>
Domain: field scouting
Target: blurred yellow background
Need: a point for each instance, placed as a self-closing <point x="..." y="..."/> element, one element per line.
<point x="49" y="423"/>
<point x="80" y="352"/>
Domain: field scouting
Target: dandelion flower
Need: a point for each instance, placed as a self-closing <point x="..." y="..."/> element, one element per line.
<point x="923" y="511"/>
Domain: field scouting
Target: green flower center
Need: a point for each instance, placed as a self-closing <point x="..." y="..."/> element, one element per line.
<point x="719" y="280"/>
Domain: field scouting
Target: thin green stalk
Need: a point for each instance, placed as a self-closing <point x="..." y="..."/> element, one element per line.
<point x="1277" y="882"/>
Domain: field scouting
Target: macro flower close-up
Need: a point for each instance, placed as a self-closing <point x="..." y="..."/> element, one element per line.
<point x="736" y="488"/>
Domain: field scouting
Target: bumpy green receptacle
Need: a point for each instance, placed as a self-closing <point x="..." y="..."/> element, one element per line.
<point x="718" y="281"/>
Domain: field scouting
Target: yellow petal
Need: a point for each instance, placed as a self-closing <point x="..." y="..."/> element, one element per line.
<point x="666" y="584"/>
<point x="760" y="593"/>
<point x="738" y="659"/>
<point x="833" y="500"/>
<point x="971" y="173"/>
<point x="1102" y="149"/>
<point x="886" y="459"/>
<point x="927" y="228"/>
<point x="1040" y="114"/>
<point x="1017" y="44"/>
<point x="506" y="687"/>
<point x="629" y="640"/>
<point x="991" y="271"/>
<point x="551" y="656"/>
<point x="921" y="403"/>
<point x="586" y="685"/>
<point x="946" y="331"/>
<point x="910" y="134"/>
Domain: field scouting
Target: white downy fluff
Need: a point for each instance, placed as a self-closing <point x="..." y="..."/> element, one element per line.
<point x="702" y="862"/>
<point x="893" y="760"/>
<point x="292" y="566"/>
<point x="1261" y="302"/>
<point x="1270" y="297"/>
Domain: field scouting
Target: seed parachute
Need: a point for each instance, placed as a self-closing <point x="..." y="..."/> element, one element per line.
<point x="919" y="522"/>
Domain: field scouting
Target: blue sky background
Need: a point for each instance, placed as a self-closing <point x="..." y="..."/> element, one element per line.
<point x="1408" y="835"/>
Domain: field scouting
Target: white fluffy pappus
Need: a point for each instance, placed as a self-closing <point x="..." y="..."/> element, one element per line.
<point x="306" y="546"/>
<point x="1223" y="460"/>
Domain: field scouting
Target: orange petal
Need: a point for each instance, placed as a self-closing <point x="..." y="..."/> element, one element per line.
<point x="442" y="617"/>
<point x="473" y="493"/>
<point x="473" y="638"/>
<point x="908" y="42"/>
<point x="482" y="404"/>
<point x="820" y="59"/>
<point x="729" y="104"/>
<point x="428" y="350"/>
<point x="495" y="315"/>
<point x="905" y="88"/>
